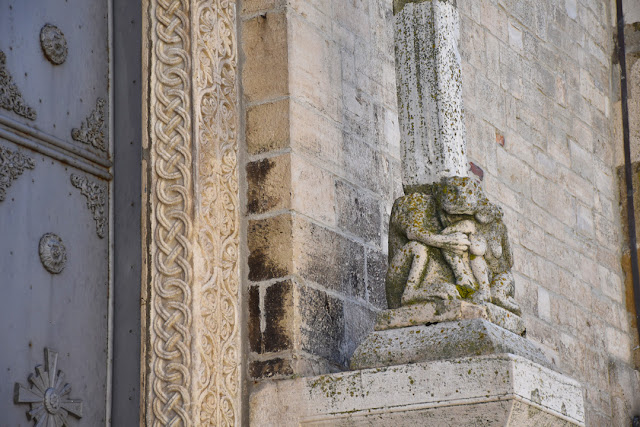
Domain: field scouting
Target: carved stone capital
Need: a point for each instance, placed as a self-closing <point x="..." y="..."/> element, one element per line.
<point x="192" y="341"/>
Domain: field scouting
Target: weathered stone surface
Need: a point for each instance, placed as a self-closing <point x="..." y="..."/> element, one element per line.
<point x="344" y="273"/>
<point x="428" y="313"/>
<point x="429" y="85"/>
<point x="267" y="127"/>
<point x="265" y="73"/>
<point x="358" y="213"/>
<point x="447" y="241"/>
<point x="270" y="248"/>
<point x="498" y="390"/>
<point x="447" y="340"/>
<point x="265" y="191"/>
<point x="322" y="324"/>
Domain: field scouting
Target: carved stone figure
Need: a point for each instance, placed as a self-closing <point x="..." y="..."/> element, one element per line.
<point x="447" y="241"/>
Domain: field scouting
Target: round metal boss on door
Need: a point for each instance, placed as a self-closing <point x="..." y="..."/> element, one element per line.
<point x="53" y="43"/>
<point x="53" y="254"/>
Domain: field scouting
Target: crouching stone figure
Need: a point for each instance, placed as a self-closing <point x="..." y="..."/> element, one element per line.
<point x="447" y="241"/>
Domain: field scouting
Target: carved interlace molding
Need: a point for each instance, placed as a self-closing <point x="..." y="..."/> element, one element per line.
<point x="92" y="129"/>
<point x="10" y="96"/>
<point x="12" y="164"/>
<point x="193" y="343"/>
<point x="96" y="194"/>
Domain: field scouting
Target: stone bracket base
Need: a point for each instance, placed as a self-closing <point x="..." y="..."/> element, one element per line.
<point x="427" y="313"/>
<point x="446" y="340"/>
<point x="497" y="390"/>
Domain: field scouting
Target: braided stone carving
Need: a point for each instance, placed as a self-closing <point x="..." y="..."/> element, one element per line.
<point x="170" y="335"/>
<point x="194" y="343"/>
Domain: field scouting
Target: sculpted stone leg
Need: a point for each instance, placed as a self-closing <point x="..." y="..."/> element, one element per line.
<point x="406" y="271"/>
<point x="481" y="273"/>
<point x="502" y="292"/>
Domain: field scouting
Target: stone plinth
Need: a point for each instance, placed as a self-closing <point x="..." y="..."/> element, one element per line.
<point x="497" y="390"/>
<point x="446" y="340"/>
<point x="445" y="311"/>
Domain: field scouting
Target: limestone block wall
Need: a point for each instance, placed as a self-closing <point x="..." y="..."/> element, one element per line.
<point x="540" y="90"/>
<point x="541" y="94"/>
<point x="322" y="171"/>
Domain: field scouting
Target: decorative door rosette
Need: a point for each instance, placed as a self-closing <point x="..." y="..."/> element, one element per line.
<point x="48" y="394"/>
<point x="53" y="254"/>
<point x="53" y="44"/>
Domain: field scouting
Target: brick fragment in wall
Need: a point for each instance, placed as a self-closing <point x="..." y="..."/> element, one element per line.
<point x="269" y="183"/>
<point x="358" y="213"/>
<point x="267" y="127"/>
<point x="476" y="170"/>
<point x="270" y="368"/>
<point x="328" y="259"/>
<point x="270" y="248"/>
<point x="264" y="43"/>
<point x="322" y="324"/>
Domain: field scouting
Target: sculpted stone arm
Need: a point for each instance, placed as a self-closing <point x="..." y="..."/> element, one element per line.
<point x="457" y="242"/>
<point x="415" y="216"/>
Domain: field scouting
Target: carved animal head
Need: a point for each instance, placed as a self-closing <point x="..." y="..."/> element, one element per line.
<point x="459" y="195"/>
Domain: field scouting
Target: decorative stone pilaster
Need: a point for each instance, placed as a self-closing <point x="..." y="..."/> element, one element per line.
<point x="192" y="349"/>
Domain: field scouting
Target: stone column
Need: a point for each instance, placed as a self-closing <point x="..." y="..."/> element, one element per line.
<point x="429" y="91"/>
<point x="191" y="314"/>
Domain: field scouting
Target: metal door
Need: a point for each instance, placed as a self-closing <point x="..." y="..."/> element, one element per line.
<point x="55" y="234"/>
